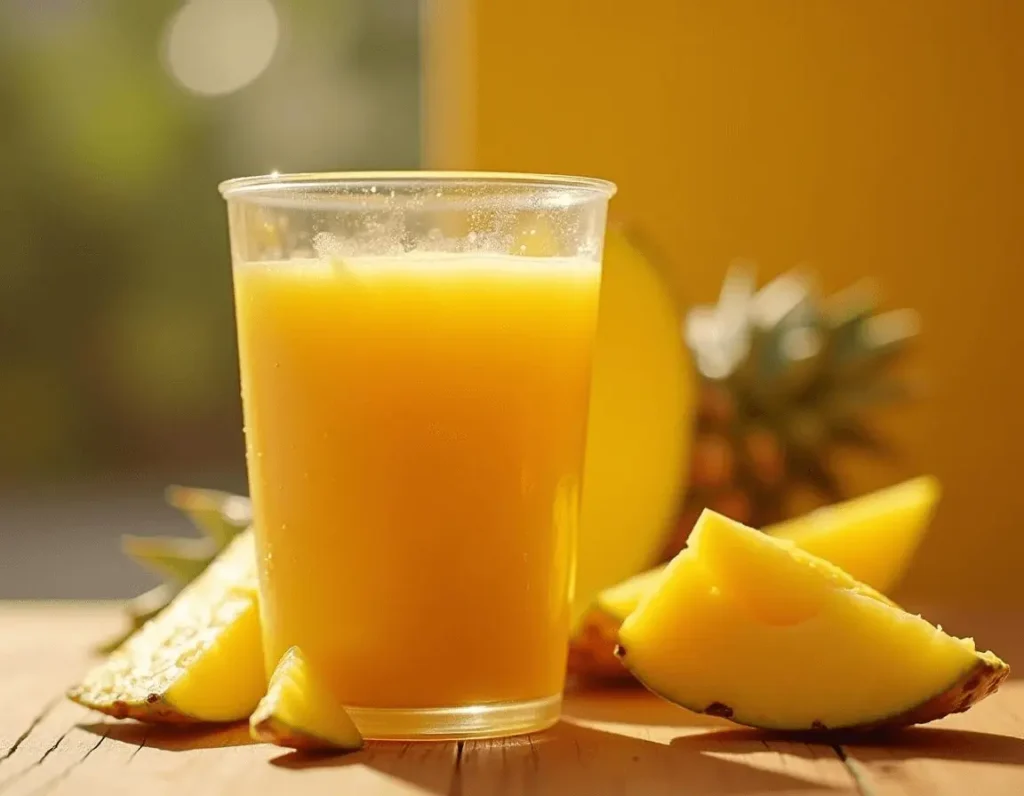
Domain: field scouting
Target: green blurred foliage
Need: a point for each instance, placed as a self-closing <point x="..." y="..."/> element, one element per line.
<point x="116" y="333"/>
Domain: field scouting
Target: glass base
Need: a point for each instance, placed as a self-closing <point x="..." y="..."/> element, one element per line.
<point x="492" y="720"/>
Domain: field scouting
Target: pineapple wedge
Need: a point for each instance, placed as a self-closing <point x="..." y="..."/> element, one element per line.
<point x="872" y="538"/>
<point x="199" y="660"/>
<point x="300" y="713"/>
<point x="751" y="628"/>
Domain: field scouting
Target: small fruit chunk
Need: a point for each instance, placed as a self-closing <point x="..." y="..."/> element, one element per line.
<point x="750" y="628"/>
<point x="300" y="713"/>
<point x="873" y="537"/>
<point x="199" y="660"/>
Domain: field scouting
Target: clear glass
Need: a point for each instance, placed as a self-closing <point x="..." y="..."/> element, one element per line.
<point x="415" y="357"/>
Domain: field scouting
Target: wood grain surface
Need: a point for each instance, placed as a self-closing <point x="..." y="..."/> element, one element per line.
<point x="612" y="742"/>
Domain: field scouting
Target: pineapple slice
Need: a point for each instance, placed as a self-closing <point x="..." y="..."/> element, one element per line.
<point x="748" y="627"/>
<point x="638" y="436"/>
<point x="200" y="659"/>
<point x="872" y="538"/>
<point x="299" y="712"/>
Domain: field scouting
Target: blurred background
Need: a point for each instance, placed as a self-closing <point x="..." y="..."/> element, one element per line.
<point x="865" y="138"/>
<point x="118" y="369"/>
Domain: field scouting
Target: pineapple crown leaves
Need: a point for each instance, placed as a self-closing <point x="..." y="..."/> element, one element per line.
<point x="809" y="366"/>
<point x="219" y="517"/>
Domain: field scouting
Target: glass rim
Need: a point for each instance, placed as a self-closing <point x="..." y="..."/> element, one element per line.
<point x="275" y="182"/>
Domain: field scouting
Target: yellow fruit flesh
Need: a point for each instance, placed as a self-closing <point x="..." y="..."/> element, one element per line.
<point x="776" y="581"/>
<point x="621" y="600"/>
<point x="300" y="713"/>
<point x="870" y="538"/>
<point x="201" y="659"/>
<point x="639" y="426"/>
<point x="811" y="653"/>
<point x="873" y="537"/>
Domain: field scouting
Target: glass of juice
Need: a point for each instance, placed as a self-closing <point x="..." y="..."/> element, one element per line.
<point x="415" y="364"/>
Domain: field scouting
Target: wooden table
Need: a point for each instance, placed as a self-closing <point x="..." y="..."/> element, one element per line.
<point x="622" y="742"/>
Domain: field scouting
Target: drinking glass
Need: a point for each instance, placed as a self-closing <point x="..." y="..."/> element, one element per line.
<point x="415" y="357"/>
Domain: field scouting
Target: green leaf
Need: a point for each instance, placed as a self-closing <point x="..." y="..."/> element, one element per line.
<point x="176" y="560"/>
<point x="148" y="604"/>
<point x="220" y="516"/>
<point x="856" y="435"/>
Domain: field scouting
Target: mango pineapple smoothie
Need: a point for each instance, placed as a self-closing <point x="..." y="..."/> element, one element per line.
<point x="415" y="433"/>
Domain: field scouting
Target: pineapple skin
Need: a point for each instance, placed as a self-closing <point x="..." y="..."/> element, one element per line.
<point x="265" y="727"/>
<point x="592" y="652"/>
<point x="983" y="680"/>
<point x="977" y="683"/>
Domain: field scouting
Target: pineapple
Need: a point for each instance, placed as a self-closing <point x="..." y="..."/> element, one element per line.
<point x="751" y="628"/>
<point x="300" y="712"/>
<point x="638" y="435"/>
<point x="199" y="660"/>
<point x="178" y="561"/>
<point x="872" y="537"/>
<point x="786" y="378"/>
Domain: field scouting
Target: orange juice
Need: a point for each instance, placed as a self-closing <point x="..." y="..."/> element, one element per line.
<point x="415" y="436"/>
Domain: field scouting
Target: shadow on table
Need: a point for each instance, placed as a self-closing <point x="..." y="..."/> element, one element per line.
<point x="172" y="738"/>
<point x="566" y="760"/>
<point x="930" y="743"/>
<point x="633" y="706"/>
<point x="936" y="743"/>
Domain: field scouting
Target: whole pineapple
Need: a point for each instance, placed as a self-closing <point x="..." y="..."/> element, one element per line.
<point x="786" y="379"/>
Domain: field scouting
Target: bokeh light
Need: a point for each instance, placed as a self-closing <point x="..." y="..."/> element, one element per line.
<point x="215" y="47"/>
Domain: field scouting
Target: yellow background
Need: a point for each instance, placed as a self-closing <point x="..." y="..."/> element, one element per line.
<point x="862" y="137"/>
